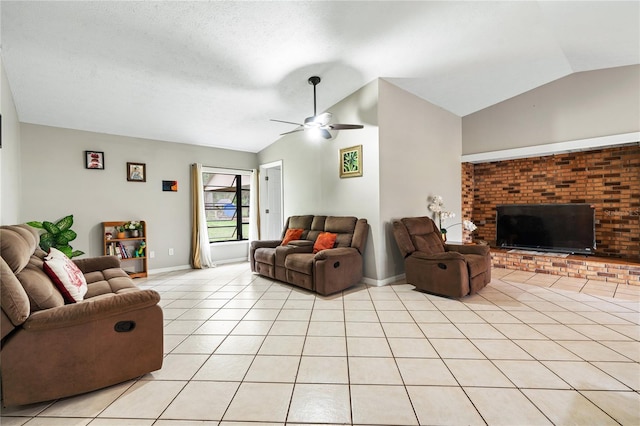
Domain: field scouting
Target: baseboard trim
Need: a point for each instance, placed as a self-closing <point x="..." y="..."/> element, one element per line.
<point x="169" y="269"/>
<point x="225" y="261"/>
<point x="380" y="283"/>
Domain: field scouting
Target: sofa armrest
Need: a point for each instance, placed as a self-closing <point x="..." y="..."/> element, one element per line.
<point x="335" y="253"/>
<point x="89" y="310"/>
<point x="256" y="245"/>
<point x="336" y="269"/>
<point x="99" y="263"/>
<point x="265" y="243"/>
<point x="468" y="249"/>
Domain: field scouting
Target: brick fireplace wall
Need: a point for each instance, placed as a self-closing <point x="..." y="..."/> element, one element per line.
<point x="607" y="178"/>
<point x="467" y="199"/>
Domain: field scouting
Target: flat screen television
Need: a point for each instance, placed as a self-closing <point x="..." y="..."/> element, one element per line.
<point x="564" y="228"/>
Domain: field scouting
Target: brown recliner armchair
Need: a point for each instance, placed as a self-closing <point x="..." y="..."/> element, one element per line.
<point x="439" y="268"/>
<point x="52" y="349"/>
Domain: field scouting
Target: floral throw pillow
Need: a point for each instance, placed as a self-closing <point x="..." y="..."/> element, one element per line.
<point x="66" y="275"/>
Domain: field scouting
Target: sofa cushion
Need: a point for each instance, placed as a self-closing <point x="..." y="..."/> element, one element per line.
<point x="419" y="225"/>
<point x="41" y="291"/>
<point x="17" y="244"/>
<point x="291" y="234"/>
<point x="325" y="241"/>
<point x="65" y="275"/>
<point x="15" y="302"/>
<point x="265" y="255"/>
<point x="344" y="226"/>
<point x="318" y="223"/>
<point x="299" y="222"/>
<point x="300" y="262"/>
<point x="428" y="243"/>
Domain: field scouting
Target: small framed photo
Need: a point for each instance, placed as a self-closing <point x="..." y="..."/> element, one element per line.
<point x="170" y="185"/>
<point x="351" y="162"/>
<point x="136" y="172"/>
<point x="94" y="160"/>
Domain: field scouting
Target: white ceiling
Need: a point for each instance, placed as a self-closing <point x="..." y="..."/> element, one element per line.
<point x="214" y="73"/>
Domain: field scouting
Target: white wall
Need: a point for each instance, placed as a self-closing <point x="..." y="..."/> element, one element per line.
<point x="420" y="148"/>
<point x="582" y="105"/>
<point x="55" y="183"/>
<point x="9" y="155"/>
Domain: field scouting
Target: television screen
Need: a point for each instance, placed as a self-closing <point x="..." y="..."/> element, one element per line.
<point x="566" y="228"/>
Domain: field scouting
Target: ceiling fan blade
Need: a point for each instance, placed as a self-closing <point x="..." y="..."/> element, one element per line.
<point x="345" y="126"/>
<point x="298" y="129"/>
<point x="287" y="122"/>
<point x="325" y="133"/>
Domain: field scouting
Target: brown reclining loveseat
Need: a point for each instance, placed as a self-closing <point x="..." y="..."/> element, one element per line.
<point x="52" y="349"/>
<point x="325" y="272"/>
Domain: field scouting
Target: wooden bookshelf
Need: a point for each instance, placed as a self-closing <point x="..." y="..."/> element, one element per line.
<point x="127" y="247"/>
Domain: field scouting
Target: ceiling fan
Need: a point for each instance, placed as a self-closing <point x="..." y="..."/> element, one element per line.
<point x="319" y="123"/>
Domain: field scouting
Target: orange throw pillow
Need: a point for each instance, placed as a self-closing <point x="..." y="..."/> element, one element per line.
<point x="325" y="241"/>
<point x="290" y="235"/>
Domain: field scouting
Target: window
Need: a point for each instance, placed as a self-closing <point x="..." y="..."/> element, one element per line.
<point x="226" y="205"/>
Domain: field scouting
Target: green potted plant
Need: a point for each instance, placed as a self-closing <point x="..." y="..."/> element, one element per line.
<point x="58" y="235"/>
<point x="120" y="232"/>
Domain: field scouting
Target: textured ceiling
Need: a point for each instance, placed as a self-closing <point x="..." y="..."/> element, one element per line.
<point x="214" y="73"/>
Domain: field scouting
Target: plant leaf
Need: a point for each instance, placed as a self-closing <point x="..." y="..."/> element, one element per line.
<point x="64" y="237"/>
<point x="65" y="223"/>
<point x="34" y="224"/>
<point x="67" y="250"/>
<point x="46" y="241"/>
<point x="51" y="227"/>
<point x="76" y="253"/>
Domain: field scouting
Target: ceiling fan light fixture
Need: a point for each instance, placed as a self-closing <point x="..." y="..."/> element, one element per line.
<point x="312" y="122"/>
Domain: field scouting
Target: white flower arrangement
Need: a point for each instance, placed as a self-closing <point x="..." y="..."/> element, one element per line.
<point x="437" y="206"/>
<point x="469" y="226"/>
<point x="134" y="224"/>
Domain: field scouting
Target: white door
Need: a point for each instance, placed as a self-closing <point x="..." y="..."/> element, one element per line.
<point x="271" y="219"/>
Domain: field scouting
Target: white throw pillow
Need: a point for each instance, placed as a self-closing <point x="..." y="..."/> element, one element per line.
<point x="66" y="275"/>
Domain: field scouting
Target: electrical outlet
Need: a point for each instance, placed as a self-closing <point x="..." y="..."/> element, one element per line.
<point x="152" y="254"/>
<point x="170" y="252"/>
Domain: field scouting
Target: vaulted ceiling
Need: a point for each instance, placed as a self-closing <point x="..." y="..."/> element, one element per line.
<point x="214" y="73"/>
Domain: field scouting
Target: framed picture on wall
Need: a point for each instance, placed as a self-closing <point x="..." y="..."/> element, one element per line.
<point x="170" y="185"/>
<point x="94" y="160"/>
<point x="351" y="161"/>
<point x="136" y="172"/>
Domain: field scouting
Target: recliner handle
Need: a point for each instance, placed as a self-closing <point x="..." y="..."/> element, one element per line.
<point x="124" y="326"/>
<point x="442" y="265"/>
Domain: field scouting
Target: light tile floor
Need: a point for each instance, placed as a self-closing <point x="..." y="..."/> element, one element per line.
<point x="244" y="350"/>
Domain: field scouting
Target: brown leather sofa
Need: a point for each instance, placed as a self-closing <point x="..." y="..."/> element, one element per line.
<point x="325" y="272"/>
<point x="439" y="268"/>
<point x="51" y="349"/>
